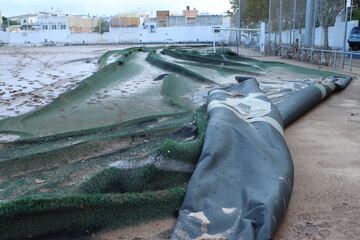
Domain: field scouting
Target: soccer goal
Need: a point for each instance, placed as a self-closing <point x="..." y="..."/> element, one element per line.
<point x="240" y="40"/>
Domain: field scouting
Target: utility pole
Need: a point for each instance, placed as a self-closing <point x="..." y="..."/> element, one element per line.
<point x="239" y="21"/>
<point x="280" y="22"/>
<point x="309" y="22"/>
<point x="294" y="19"/>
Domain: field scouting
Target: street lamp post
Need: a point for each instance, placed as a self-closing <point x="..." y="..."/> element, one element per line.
<point x="314" y="24"/>
<point x="270" y="24"/>
<point x="309" y="22"/>
<point x="294" y="19"/>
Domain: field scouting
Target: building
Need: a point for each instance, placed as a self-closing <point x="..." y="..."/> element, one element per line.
<point x="189" y="18"/>
<point x="1" y="21"/>
<point x="124" y="22"/>
<point x="190" y="15"/>
<point x="53" y="23"/>
<point x="162" y="18"/>
<point x="200" y="20"/>
<point x="65" y="22"/>
<point x="83" y="24"/>
<point x="26" y="21"/>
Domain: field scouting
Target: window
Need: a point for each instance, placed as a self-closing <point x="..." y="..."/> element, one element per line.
<point x="53" y="27"/>
<point x="61" y="26"/>
<point x="191" y="21"/>
<point x="45" y="27"/>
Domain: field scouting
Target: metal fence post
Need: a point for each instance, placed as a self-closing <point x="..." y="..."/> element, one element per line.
<point x="214" y="44"/>
<point x="345" y="36"/>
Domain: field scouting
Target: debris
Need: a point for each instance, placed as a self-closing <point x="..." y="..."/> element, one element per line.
<point x="39" y="181"/>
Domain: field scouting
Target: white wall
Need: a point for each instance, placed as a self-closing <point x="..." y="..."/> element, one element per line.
<point x="177" y="34"/>
<point x="120" y="35"/>
<point x="336" y="34"/>
<point x="4" y="36"/>
<point x="38" y="37"/>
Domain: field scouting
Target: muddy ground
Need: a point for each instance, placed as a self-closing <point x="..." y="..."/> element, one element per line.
<point x="31" y="76"/>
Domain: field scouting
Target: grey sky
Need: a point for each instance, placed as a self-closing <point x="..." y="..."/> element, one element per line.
<point x="109" y="7"/>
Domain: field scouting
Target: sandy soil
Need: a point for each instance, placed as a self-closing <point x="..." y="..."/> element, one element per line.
<point x="159" y="230"/>
<point x="325" y="203"/>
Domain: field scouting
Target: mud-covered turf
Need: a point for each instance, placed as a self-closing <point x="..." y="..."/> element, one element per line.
<point x="119" y="148"/>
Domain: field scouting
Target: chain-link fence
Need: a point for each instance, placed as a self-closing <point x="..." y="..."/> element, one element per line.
<point x="316" y="31"/>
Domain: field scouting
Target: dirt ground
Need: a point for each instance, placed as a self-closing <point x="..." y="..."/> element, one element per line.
<point x="325" y="146"/>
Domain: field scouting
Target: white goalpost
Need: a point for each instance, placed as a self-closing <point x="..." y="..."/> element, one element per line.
<point x="234" y="37"/>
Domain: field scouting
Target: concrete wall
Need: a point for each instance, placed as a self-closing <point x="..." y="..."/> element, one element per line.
<point x="4" y="36"/>
<point x="119" y="35"/>
<point x="336" y="34"/>
<point x="38" y="37"/>
<point x="177" y="21"/>
<point x="201" y="20"/>
<point x="176" y="34"/>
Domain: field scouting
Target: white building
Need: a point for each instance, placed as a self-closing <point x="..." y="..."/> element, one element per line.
<point x="26" y="21"/>
<point x="53" y="23"/>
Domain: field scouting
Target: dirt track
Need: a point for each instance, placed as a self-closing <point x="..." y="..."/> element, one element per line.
<point x="325" y="146"/>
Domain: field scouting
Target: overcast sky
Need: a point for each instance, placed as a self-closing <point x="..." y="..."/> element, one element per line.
<point x="109" y="7"/>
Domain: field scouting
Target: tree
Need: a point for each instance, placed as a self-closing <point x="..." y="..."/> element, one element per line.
<point x="104" y="26"/>
<point x="356" y="3"/>
<point x="256" y="11"/>
<point x="8" y="22"/>
<point x="234" y="11"/>
<point x="328" y="10"/>
<point x="252" y="11"/>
